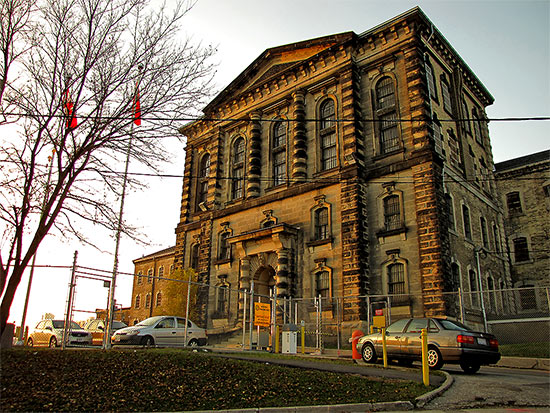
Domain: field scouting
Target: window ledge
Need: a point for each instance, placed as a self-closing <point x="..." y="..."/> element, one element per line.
<point x="315" y="243"/>
<point x="386" y="233"/>
<point x="222" y="261"/>
<point x="386" y="154"/>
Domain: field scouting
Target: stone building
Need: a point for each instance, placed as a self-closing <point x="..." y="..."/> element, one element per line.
<point x="345" y="166"/>
<point x="524" y="188"/>
<point x="149" y="281"/>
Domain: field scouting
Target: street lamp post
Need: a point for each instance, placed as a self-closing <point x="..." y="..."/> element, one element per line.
<point x="477" y="250"/>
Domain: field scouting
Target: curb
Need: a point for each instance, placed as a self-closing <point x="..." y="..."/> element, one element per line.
<point x="421" y="401"/>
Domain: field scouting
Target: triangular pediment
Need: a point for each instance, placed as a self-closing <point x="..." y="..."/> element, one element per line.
<point x="274" y="62"/>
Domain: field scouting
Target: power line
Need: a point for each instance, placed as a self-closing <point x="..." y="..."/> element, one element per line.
<point x="245" y="119"/>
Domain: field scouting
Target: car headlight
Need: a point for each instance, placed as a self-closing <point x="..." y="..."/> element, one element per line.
<point x="132" y="333"/>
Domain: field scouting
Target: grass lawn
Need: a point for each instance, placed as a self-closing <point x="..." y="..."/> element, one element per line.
<point x="539" y="350"/>
<point x="170" y="380"/>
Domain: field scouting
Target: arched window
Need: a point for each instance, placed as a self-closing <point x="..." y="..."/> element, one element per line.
<point x="161" y="272"/>
<point x="237" y="168"/>
<point x="466" y="221"/>
<point x="204" y="172"/>
<point x="139" y="277"/>
<point x="279" y="152"/>
<point x="472" y="278"/>
<point x="455" y="277"/>
<point x="321" y="224"/>
<point x="387" y="115"/>
<point x="150" y="275"/>
<point x="224" y="252"/>
<point x="327" y="139"/>
<point x="484" y="236"/>
<point x="148" y="300"/>
<point x="221" y="304"/>
<point x="137" y="301"/>
<point x="159" y="299"/>
<point x="396" y="279"/>
<point x="492" y="294"/>
<point x="446" y="94"/>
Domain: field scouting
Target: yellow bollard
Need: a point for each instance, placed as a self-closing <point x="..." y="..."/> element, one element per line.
<point x="303" y="339"/>
<point x="276" y="339"/>
<point x="425" y="368"/>
<point x="384" y="349"/>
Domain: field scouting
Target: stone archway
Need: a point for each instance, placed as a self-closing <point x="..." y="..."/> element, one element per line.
<point x="264" y="280"/>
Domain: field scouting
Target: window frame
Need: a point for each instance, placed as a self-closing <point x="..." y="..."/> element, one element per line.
<point x="238" y="159"/>
<point x="386" y="109"/>
<point x="466" y="222"/>
<point x="328" y="139"/>
<point x="521" y="249"/>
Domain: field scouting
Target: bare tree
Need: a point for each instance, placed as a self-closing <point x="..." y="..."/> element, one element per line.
<point x="77" y="90"/>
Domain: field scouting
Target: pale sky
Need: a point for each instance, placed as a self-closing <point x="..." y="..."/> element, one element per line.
<point x="505" y="43"/>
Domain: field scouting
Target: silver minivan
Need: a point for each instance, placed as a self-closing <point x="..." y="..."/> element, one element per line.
<point x="163" y="331"/>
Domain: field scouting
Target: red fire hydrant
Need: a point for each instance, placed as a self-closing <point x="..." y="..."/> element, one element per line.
<point x="355" y="336"/>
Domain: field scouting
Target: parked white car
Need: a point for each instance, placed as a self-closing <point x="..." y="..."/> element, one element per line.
<point x="162" y="331"/>
<point x="50" y="333"/>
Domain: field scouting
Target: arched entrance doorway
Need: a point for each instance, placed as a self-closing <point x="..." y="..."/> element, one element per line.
<point x="264" y="280"/>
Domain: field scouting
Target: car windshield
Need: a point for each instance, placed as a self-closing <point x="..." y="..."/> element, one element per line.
<point x="149" y="321"/>
<point x="119" y="324"/>
<point x="453" y="325"/>
<point x="60" y="324"/>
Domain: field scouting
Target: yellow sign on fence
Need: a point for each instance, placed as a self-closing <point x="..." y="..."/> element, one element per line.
<point x="262" y="314"/>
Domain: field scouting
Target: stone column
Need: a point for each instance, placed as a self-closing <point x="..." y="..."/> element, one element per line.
<point x="299" y="138"/>
<point x="282" y="274"/>
<point x="254" y="157"/>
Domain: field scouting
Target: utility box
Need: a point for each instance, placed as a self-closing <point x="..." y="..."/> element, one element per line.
<point x="262" y="340"/>
<point x="289" y="339"/>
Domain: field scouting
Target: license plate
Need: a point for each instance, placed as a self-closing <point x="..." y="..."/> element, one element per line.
<point x="482" y="341"/>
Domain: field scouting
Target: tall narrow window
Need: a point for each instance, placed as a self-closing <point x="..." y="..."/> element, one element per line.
<point x="321" y="224"/>
<point x="396" y="279"/>
<point x="137" y="301"/>
<point x="521" y="249"/>
<point x="224" y="248"/>
<point x="492" y="294"/>
<point x="484" y="237"/>
<point x="237" y="169"/>
<point x="194" y="261"/>
<point x="139" y="277"/>
<point x="431" y="80"/>
<point x="322" y="284"/>
<point x="148" y="300"/>
<point x="161" y="272"/>
<point x="392" y="213"/>
<point x="204" y="172"/>
<point x="327" y="131"/>
<point x="450" y="211"/>
<point x="466" y="120"/>
<point x="472" y="276"/>
<point x="466" y="220"/>
<point x="513" y="203"/>
<point x="455" y="277"/>
<point x="159" y="299"/>
<point x="496" y="238"/>
<point x="477" y="126"/>
<point x="387" y="115"/>
<point x="221" y="306"/>
<point x="279" y="153"/>
<point x="150" y="275"/>
<point x="446" y="94"/>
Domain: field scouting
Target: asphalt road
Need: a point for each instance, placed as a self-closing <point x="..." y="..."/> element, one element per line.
<point x="494" y="387"/>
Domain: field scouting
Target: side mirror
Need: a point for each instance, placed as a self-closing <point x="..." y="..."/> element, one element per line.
<point x="49" y="328"/>
<point x="100" y="328"/>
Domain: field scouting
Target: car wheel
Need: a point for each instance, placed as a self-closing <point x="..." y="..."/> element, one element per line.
<point x="193" y="343"/>
<point x="53" y="342"/>
<point x="435" y="361"/>
<point x="470" y="368"/>
<point x="30" y="343"/>
<point x="368" y="354"/>
<point x="148" y="341"/>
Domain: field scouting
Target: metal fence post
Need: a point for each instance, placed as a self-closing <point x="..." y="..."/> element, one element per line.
<point x="244" y="319"/>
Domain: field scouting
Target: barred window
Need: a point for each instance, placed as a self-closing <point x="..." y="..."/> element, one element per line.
<point x="466" y="121"/>
<point x="385" y="93"/>
<point x="389" y="137"/>
<point x="159" y="299"/>
<point x="496" y="238"/>
<point x="392" y="213"/>
<point x="472" y="276"/>
<point x="161" y="272"/>
<point x="238" y="169"/>
<point x="150" y="275"/>
<point x="221" y="306"/>
<point x="321" y="224"/>
<point x="455" y="276"/>
<point x="194" y="261"/>
<point x="224" y="248"/>
<point x="327" y="135"/>
<point x="139" y="277"/>
<point x="322" y="284"/>
<point x="204" y="172"/>
<point x="279" y="134"/>
<point x="396" y="279"/>
<point x="148" y="300"/>
<point x="279" y="167"/>
<point x="521" y="249"/>
<point x="137" y="301"/>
